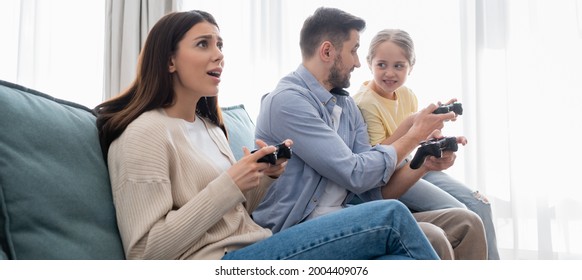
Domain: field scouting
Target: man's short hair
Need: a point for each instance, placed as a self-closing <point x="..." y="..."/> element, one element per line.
<point x="329" y="24"/>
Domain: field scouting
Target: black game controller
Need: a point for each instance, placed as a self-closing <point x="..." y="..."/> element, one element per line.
<point x="433" y="147"/>
<point x="455" y="107"/>
<point x="282" y="151"/>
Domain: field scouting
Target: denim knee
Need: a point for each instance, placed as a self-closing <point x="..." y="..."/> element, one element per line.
<point x="479" y="204"/>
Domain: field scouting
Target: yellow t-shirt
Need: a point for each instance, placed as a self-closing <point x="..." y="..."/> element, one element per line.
<point x="384" y="115"/>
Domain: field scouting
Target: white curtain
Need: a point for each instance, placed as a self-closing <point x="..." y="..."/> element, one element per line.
<point x="523" y="67"/>
<point x="127" y="25"/>
<point x="54" y="46"/>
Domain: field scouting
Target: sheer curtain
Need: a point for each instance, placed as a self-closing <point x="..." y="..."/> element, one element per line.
<point x="515" y="65"/>
<point x="524" y="64"/>
<point x="127" y="25"/>
<point x="54" y="47"/>
<point x="82" y="51"/>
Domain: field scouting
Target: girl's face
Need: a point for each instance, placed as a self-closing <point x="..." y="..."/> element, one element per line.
<point x="390" y="68"/>
<point x="197" y="64"/>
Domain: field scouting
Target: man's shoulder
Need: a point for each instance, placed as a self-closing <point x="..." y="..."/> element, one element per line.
<point x="290" y="85"/>
<point x="288" y="92"/>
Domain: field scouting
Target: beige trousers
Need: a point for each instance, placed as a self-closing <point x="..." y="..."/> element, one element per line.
<point x="454" y="233"/>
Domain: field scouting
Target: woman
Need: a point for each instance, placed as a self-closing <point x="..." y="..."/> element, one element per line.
<point x="388" y="107"/>
<point x="178" y="192"/>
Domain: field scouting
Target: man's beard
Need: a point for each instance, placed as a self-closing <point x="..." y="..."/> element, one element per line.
<point x="336" y="79"/>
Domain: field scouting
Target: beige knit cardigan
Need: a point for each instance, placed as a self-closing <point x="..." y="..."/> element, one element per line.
<point x="171" y="201"/>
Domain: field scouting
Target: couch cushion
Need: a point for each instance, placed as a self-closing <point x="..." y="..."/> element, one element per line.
<point x="55" y="195"/>
<point x="240" y="129"/>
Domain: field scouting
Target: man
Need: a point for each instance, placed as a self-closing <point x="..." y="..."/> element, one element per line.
<point x="333" y="160"/>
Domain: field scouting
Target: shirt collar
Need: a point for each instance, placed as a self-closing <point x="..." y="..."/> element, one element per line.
<point x="317" y="89"/>
<point x="339" y="91"/>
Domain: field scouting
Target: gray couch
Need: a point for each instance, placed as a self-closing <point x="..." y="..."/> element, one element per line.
<point x="55" y="196"/>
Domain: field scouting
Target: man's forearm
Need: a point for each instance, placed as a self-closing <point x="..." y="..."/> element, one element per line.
<point x="402" y="179"/>
<point x="405" y="145"/>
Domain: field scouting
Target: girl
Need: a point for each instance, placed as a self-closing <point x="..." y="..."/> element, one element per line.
<point x="388" y="108"/>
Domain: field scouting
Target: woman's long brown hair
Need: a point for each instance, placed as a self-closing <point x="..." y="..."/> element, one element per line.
<point x="152" y="87"/>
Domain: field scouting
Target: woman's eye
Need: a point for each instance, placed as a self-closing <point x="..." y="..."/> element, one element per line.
<point x="220" y="45"/>
<point x="202" y="44"/>
<point x="382" y="65"/>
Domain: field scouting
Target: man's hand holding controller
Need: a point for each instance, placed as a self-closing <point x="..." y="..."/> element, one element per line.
<point x="426" y="121"/>
<point x="451" y="106"/>
<point x="438" y="145"/>
<point x="433" y="147"/>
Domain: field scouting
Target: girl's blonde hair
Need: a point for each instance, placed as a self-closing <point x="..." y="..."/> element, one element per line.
<point x="399" y="37"/>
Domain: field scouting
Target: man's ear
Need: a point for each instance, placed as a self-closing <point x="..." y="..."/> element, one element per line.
<point x="326" y="51"/>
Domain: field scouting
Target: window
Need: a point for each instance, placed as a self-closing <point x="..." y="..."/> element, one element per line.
<point x="55" y="47"/>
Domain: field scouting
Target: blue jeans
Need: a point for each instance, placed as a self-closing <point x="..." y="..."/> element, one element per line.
<point x="437" y="190"/>
<point x="376" y="230"/>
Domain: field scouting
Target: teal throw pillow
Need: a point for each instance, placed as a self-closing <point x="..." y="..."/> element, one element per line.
<point x="240" y="129"/>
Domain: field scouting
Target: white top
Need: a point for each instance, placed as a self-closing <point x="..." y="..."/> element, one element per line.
<point x="200" y="138"/>
<point x="334" y="195"/>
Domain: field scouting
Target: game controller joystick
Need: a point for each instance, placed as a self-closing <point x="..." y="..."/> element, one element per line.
<point x="282" y="151"/>
<point x="455" y="107"/>
<point x="270" y="158"/>
<point x="433" y="147"/>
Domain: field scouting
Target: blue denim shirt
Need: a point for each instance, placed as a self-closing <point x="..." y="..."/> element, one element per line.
<point x="300" y="109"/>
